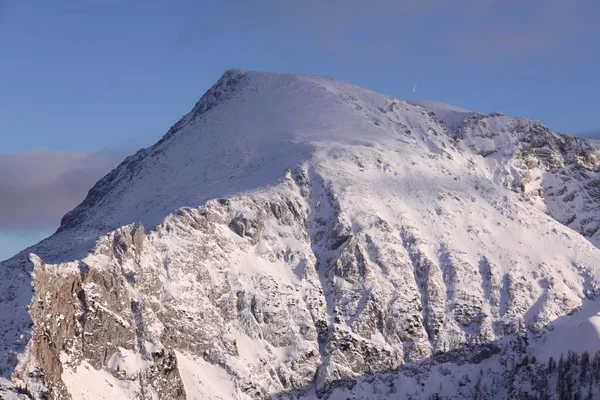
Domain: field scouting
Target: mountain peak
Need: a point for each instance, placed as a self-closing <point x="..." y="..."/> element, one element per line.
<point x="293" y="234"/>
<point x="242" y="134"/>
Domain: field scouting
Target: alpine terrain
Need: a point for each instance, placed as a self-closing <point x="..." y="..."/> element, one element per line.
<point x="297" y="237"/>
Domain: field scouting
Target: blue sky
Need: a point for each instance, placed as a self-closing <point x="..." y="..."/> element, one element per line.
<point x="83" y="83"/>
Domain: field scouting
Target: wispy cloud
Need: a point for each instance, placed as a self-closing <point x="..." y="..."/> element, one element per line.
<point x="525" y="30"/>
<point x="454" y="31"/>
<point x="39" y="186"/>
<point x="593" y="134"/>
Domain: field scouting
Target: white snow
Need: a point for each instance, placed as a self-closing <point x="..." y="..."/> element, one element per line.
<point x="204" y="381"/>
<point x="578" y="332"/>
<point x="86" y="383"/>
<point x="127" y="361"/>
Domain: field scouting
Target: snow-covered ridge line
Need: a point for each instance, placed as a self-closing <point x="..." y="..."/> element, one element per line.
<point x="452" y="115"/>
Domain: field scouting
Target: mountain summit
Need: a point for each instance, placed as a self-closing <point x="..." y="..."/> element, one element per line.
<point x="295" y="236"/>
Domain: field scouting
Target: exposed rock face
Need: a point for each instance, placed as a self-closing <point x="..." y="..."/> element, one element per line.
<point x="87" y="313"/>
<point x="293" y="236"/>
<point x="557" y="171"/>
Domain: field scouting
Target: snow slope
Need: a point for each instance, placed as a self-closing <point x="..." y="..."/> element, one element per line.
<point x="292" y="234"/>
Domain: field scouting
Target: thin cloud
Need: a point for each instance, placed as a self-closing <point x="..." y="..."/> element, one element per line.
<point x="593" y="134"/>
<point x="37" y="187"/>
<point x="452" y="31"/>
<point x="526" y="30"/>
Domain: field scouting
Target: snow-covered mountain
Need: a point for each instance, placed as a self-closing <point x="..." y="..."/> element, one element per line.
<point x="299" y="237"/>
